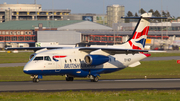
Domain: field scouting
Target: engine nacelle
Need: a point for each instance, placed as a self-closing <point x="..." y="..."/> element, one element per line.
<point x="31" y="56"/>
<point x="94" y="60"/>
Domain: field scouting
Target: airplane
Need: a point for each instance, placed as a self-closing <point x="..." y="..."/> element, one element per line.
<point x="90" y="61"/>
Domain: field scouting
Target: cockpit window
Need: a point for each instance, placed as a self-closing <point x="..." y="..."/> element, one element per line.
<point x="38" y="58"/>
<point x="47" y="58"/>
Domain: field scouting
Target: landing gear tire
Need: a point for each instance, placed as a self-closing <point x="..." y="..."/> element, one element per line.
<point x="69" y="78"/>
<point x="33" y="79"/>
<point x="95" y="79"/>
<point x="36" y="80"/>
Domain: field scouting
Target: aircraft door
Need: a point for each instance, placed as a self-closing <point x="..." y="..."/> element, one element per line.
<point x="59" y="65"/>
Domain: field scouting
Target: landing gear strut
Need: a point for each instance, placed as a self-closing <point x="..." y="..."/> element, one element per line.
<point x="94" y="78"/>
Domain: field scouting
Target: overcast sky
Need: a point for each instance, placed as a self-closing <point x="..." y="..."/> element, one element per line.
<point x="99" y="6"/>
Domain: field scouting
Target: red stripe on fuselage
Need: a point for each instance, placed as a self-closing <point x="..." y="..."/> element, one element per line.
<point x="59" y="56"/>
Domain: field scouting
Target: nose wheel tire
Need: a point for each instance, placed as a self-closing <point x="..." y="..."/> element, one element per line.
<point x="36" y="80"/>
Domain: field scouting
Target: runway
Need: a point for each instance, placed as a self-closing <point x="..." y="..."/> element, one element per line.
<point x="102" y="85"/>
<point x="161" y="58"/>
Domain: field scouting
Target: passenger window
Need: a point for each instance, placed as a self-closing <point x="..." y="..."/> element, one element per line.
<point x="79" y="60"/>
<point x="38" y="58"/>
<point x="75" y="60"/>
<point x="47" y="58"/>
<point x="70" y="60"/>
<point x="65" y="61"/>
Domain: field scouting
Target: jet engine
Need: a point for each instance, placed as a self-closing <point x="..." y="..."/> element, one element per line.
<point x="94" y="60"/>
<point x="31" y="56"/>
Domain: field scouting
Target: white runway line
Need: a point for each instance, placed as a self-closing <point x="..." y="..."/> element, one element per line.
<point x="144" y="80"/>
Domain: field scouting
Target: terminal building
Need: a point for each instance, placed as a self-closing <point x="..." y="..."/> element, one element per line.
<point x="85" y="33"/>
<point x="16" y="12"/>
<point x="29" y="12"/>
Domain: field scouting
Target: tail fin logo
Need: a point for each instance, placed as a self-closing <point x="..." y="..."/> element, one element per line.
<point x="139" y="39"/>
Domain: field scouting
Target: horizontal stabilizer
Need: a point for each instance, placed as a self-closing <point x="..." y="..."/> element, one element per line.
<point x="112" y="51"/>
<point x="35" y="48"/>
<point x="144" y="17"/>
<point x="135" y="64"/>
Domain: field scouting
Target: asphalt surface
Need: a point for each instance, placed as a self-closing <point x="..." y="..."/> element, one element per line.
<point x="161" y="58"/>
<point x="146" y="59"/>
<point x="136" y="84"/>
<point x="12" y="64"/>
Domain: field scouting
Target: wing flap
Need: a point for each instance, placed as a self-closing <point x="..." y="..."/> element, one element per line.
<point x="34" y="48"/>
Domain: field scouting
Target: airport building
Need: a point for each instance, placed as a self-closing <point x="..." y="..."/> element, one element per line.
<point x="30" y="12"/>
<point x="26" y="31"/>
<point x="114" y="14"/>
<point x="17" y="33"/>
<point x="16" y="12"/>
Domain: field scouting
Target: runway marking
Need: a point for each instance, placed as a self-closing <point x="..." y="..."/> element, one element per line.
<point x="144" y="80"/>
<point x="130" y="80"/>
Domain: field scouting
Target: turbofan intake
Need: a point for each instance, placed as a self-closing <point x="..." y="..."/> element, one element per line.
<point x="94" y="60"/>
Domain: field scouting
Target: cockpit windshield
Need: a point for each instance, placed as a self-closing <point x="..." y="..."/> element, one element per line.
<point x="45" y="58"/>
<point x="38" y="58"/>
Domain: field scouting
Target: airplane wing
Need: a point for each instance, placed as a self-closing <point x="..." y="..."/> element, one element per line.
<point x="112" y="51"/>
<point x="34" y="48"/>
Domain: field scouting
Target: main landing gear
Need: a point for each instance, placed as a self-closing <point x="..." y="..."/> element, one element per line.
<point x="94" y="78"/>
<point x="69" y="78"/>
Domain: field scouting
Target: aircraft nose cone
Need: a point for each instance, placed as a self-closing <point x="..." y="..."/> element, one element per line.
<point x="26" y="71"/>
<point x="27" y="68"/>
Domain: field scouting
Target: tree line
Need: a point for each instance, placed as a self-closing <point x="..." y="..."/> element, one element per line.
<point x="154" y="13"/>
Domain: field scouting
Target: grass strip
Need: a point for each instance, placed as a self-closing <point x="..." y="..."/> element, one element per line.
<point x="139" y="95"/>
<point x="150" y="69"/>
<point x="20" y="57"/>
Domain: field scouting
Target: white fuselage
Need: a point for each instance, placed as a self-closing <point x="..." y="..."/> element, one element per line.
<point x="71" y="62"/>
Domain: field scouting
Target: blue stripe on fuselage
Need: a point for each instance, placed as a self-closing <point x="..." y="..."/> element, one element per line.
<point x="72" y="72"/>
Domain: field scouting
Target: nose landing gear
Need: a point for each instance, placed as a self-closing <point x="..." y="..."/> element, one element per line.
<point x="35" y="78"/>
